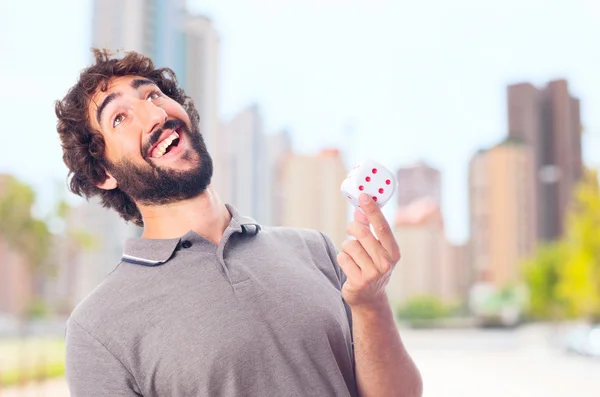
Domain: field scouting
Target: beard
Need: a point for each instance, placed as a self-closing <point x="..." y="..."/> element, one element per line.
<point x="151" y="184"/>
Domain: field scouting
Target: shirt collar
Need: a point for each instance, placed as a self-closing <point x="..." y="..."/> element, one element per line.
<point x="154" y="252"/>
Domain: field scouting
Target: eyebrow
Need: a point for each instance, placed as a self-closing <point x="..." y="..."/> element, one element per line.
<point x="104" y="104"/>
<point x="135" y="84"/>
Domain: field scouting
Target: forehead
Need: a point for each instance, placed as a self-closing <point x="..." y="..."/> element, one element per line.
<point x="115" y="84"/>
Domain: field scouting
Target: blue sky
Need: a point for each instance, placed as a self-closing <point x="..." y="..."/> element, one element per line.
<point x="412" y="80"/>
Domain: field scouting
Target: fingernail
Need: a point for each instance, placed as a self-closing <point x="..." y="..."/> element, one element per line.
<point x="363" y="198"/>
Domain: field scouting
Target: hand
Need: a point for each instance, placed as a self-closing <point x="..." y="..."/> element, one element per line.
<point x="369" y="260"/>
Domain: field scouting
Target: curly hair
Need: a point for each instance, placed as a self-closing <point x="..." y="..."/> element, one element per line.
<point x="83" y="146"/>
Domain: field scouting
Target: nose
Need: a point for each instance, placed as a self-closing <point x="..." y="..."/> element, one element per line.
<point x="153" y="116"/>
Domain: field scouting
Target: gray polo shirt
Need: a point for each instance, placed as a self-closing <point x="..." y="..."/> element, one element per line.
<point x="259" y="315"/>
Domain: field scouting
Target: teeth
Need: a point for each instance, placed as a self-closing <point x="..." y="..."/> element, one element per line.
<point x="160" y="149"/>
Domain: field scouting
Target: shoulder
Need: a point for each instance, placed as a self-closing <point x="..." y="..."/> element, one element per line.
<point x="317" y="241"/>
<point x="107" y="302"/>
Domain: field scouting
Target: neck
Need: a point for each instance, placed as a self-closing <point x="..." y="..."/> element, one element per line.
<point x="205" y="214"/>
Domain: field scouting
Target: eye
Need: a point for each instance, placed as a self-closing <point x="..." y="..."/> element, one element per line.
<point x="153" y="95"/>
<point x="118" y="119"/>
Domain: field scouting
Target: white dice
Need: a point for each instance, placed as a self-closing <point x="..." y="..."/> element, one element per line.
<point x="372" y="178"/>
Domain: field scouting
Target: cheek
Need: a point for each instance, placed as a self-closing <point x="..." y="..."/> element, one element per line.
<point x="120" y="149"/>
<point x="131" y="147"/>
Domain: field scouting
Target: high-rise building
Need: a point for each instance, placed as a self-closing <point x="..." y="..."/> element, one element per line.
<point x="59" y="288"/>
<point x="151" y="27"/>
<point x="200" y="79"/>
<point x="548" y="119"/>
<point x="16" y="276"/>
<point x="502" y="216"/>
<point x="455" y="273"/>
<point x="418" y="181"/>
<point x="479" y="213"/>
<point x="419" y="230"/>
<point x="86" y="268"/>
<point x="312" y="197"/>
<point x="419" y="227"/>
<point x="16" y="281"/>
<point x="278" y="148"/>
<point x="245" y="165"/>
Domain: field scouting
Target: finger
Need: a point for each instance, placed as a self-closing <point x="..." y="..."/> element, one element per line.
<point x="360" y="256"/>
<point x="349" y="267"/>
<point x="370" y="245"/>
<point x="360" y="217"/>
<point x="381" y="227"/>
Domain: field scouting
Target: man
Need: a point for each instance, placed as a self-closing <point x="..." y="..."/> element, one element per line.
<point x="207" y="302"/>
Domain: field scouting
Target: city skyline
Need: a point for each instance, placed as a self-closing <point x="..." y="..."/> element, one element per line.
<point x="476" y="107"/>
<point x="399" y="92"/>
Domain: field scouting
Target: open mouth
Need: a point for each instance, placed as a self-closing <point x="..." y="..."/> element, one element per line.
<point x="166" y="145"/>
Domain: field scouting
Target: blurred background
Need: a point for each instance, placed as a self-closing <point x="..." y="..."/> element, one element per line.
<point x="488" y="113"/>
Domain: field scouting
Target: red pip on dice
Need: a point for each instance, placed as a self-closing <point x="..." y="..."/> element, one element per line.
<point x="372" y="178"/>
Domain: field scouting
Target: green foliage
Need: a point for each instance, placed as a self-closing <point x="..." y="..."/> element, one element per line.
<point x="542" y="277"/>
<point x="509" y="296"/>
<point x="31" y="237"/>
<point x="579" y="284"/>
<point x="16" y="376"/>
<point x="62" y="209"/>
<point x="79" y="237"/>
<point x="21" y="231"/>
<point x="37" y="308"/>
<point x="30" y="359"/>
<point x="423" y="308"/>
<point x="83" y="239"/>
<point x="564" y="277"/>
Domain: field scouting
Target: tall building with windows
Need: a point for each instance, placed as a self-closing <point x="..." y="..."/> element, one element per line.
<point x="419" y="230"/>
<point x="418" y="181"/>
<point x="548" y="119"/>
<point x="151" y="27"/>
<point x="200" y="79"/>
<point x="502" y="216"/>
<point x="311" y="193"/>
<point x="244" y="164"/>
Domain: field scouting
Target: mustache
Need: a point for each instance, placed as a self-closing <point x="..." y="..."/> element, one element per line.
<point x="155" y="136"/>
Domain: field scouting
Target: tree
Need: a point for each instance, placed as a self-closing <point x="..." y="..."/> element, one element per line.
<point x="23" y="233"/>
<point x="563" y="277"/>
<point x="20" y="230"/>
<point x="422" y="308"/>
<point x="579" y="284"/>
<point x="542" y="274"/>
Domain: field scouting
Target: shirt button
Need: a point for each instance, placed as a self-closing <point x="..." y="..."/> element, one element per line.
<point x="186" y="244"/>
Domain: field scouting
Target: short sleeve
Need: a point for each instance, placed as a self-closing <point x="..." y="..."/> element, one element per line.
<point x="92" y="370"/>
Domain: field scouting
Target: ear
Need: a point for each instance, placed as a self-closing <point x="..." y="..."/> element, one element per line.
<point x="109" y="183"/>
